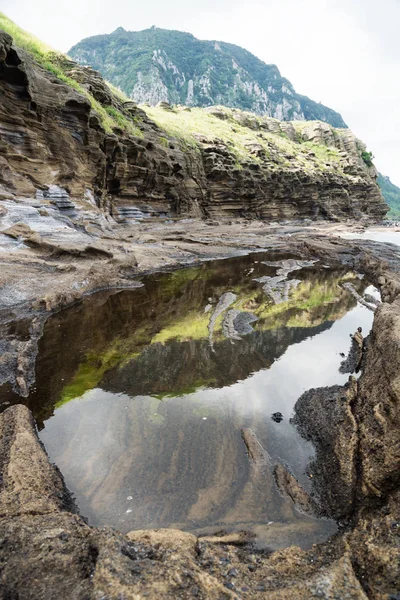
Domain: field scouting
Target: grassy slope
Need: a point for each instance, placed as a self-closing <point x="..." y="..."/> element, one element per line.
<point x="284" y="153"/>
<point x="50" y="60"/>
<point x="185" y="125"/>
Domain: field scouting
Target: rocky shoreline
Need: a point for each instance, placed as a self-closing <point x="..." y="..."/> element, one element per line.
<point x="49" y="551"/>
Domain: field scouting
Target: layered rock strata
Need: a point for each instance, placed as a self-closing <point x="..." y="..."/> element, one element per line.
<point x="55" y="147"/>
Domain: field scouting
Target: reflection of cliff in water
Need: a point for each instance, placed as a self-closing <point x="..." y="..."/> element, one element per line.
<point x="148" y="391"/>
<point x="179" y="368"/>
<point x="154" y="340"/>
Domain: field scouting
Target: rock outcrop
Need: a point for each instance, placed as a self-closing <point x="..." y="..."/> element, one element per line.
<point x="57" y="146"/>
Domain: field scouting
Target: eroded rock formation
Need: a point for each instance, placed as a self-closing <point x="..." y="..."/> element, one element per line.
<point x="55" y="156"/>
<point x="55" y="148"/>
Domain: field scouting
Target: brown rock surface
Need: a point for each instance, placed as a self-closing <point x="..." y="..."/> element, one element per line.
<point x="378" y="408"/>
<point x="52" y="137"/>
<point x="325" y="417"/>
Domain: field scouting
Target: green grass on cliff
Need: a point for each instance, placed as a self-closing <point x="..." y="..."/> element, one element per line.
<point x="25" y="40"/>
<point x="50" y="60"/>
<point x="278" y="150"/>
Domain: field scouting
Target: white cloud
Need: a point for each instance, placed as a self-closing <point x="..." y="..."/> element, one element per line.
<point x="344" y="53"/>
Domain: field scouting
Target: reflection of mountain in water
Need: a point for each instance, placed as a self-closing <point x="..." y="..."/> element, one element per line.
<point x="135" y="461"/>
<point x="154" y="339"/>
<point x="176" y="368"/>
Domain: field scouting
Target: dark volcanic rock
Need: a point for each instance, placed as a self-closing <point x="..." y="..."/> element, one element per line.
<point x="325" y="417"/>
<point x="277" y="417"/>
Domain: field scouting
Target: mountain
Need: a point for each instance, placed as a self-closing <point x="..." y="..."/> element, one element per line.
<point x="159" y="65"/>
<point x="391" y="193"/>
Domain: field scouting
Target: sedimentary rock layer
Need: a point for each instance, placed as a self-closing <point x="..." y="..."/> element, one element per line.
<point x="55" y="147"/>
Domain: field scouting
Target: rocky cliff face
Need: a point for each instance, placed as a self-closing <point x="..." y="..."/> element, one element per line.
<point x="158" y="65"/>
<point x="57" y="146"/>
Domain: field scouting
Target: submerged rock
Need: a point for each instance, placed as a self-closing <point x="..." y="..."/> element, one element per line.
<point x="277" y="417"/>
<point x="291" y="488"/>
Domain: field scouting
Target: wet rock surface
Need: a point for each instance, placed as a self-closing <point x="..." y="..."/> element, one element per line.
<point x="355" y="477"/>
<point x="81" y="562"/>
<point x="325" y="417"/>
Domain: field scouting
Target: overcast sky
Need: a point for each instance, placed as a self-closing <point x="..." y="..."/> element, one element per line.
<point x="344" y="53"/>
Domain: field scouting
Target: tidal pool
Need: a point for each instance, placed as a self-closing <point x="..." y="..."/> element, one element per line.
<point x="141" y="395"/>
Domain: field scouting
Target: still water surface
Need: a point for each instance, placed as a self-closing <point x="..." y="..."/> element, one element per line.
<point x="141" y="395"/>
<point x="389" y="237"/>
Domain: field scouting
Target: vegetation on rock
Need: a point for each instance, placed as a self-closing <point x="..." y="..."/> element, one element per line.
<point x="204" y="162"/>
<point x="171" y="66"/>
<point x="248" y="137"/>
<point x="60" y="66"/>
<point x="367" y="158"/>
<point x="391" y="193"/>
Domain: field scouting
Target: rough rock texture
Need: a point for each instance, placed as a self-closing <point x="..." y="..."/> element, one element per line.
<point x="59" y="245"/>
<point x="47" y="551"/>
<point x="378" y="415"/>
<point x="54" y="148"/>
<point x="336" y="442"/>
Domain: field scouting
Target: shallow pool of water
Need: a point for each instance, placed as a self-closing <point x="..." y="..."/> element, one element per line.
<point x="141" y="395"/>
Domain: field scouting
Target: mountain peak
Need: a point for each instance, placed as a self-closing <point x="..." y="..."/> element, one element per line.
<point x="161" y="65"/>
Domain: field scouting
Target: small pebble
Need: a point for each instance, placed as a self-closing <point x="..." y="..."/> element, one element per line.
<point x="229" y="585"/>
<point x="277" y="417"/>
<point x="233" y="573"/>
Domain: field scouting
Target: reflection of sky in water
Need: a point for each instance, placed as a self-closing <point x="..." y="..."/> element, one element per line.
<point x="93" y="438"/>
<point x="392" y="237"/>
